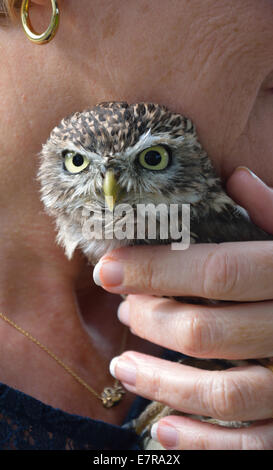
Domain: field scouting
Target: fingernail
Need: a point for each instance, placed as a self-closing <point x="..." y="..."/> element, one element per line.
<point x="124" y="313"/>
<point x="154" y="432"/>
<point x="123" y="370"/>
<point x="111" y="273"/>
<point x="96" y="274"/>
<point x="166" y="435"/>
<point x="244" y="168"/>
<point x="112" y="366"/>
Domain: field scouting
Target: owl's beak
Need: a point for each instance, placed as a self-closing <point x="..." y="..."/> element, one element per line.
<point x="111" y="189"/>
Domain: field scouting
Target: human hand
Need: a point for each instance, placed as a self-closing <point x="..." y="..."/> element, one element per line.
<point x="231" y="271"/>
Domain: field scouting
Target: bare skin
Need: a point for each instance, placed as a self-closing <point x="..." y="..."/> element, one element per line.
<point x="209" y="60"/>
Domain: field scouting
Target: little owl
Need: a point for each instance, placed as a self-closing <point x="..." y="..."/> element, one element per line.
<point x="135" y="154"/>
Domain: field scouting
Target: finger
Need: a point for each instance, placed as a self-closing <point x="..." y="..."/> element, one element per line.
<point x="241" y="393"/>
<point x="224" y="331"/>
<point x="182" y="433"/>
<point x="254" y="195"/>
<point x="229" y="271"/>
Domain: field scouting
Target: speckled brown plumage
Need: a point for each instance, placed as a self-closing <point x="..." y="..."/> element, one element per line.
<point x="110" y="128"/>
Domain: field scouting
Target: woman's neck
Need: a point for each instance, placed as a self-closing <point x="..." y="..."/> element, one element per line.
<point x="54" y="300"/>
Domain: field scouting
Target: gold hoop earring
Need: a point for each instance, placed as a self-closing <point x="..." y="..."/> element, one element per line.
<point x="49" y="34"/>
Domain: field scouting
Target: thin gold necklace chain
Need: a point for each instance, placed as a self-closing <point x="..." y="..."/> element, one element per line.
<point x="109" y="397"/>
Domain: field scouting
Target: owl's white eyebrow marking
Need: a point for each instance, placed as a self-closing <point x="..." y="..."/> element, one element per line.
<point x="70" y="147"/>
<point x="149" y="140"/>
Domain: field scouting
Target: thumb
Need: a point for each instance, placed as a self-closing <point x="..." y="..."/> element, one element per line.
<point x="254" y="195"/>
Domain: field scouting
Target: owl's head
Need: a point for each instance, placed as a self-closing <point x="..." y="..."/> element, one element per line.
<point x="132" y="154"/>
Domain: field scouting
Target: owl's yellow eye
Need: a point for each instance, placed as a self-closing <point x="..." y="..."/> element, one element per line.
<point x="75" y="162"/>
<point x="154" y="158"/>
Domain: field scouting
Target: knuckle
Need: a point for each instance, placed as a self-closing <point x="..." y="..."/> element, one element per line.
<point x="225" y="398"/>
<point x="203" y="442"/>
<point x="145" y="319"/>
<point x="152" y="275"/>
<point x="198" y="335"/>
<point x="155" y="385"/>
<point x="220" y="275"/>
<point x="136" y="324"/>
<point x="253" y="442"/>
